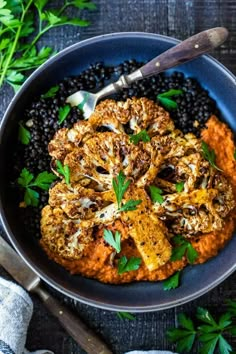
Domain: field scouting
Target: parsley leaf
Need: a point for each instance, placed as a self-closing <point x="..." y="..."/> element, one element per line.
<point x="184" y="335"/>
<point x="126" y="265"/>
<point x="24" y="135"/>
<point x="113" y="241"/>
<point x="136" y="138"/>
<point x="42" y="181"/>
<point x="64" y="171"/>
<point x="179" y="186"/>
<point x="172" y="282"/>
<point x="166" y="101"/>
<point x="130" y="205"/>
<point x="209" y="155"/>
<point x="156" y="194"/>
<point x="183" y="247"/>
<point x="63" y="113"/>
<point x="231" y="305"/>
<point x="51" y="92"/>
<point x="120" y="185"/>
<point x="125" y="315"/>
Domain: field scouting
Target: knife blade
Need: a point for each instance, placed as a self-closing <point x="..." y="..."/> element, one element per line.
<point x="78" y="330"/>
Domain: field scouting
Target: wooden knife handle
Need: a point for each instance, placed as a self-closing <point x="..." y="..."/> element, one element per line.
<point x="187" y="50"/>
<point x="78" y="330"/>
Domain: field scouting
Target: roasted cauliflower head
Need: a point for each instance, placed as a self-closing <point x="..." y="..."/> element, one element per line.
<point x="195" y="197"/>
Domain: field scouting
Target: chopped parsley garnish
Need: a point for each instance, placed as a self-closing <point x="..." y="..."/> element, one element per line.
<point x="120" y="185"/>
<point x="27" y="181"/>
<point x="24" y="135"/>
<point x="172" y="282"/>
<point x="208" y="331"/>
<point x="183" y="248"/>
<point x="51" y="92"/>
<point x="209" y="155"/>
<point x="125" y="316"/>
<point x="63" y="113"/>
<point x="179" y="186"/>
<point x="126" y="265"/>
<point x="64" y="171"/>
<point x="113" y="241"/>
<point x="166" y="100"/>
<point x="156" y="194"/>
<point x="141" y="136"/>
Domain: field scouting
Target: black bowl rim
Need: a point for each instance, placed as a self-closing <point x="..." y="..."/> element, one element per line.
<point x="13" y="239"/>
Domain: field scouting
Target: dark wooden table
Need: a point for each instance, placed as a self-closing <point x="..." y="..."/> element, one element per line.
<point x="180" y="19"/>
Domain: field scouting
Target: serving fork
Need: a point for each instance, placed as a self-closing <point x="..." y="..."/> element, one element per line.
<point x="187" y="50"/>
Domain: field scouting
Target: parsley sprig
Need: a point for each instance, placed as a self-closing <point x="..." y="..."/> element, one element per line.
<point x="42" y="181"/>
<point x="179" y="186"/>
<point x="24" y="135"/>
<point x="209" y="155"/>
<point x="166" y="98"/>
<point x="172" y="282"/>
<point x="125" y="316"/>
<point x="63" y="113"/>
<point x="141" y="136"/>
<point x="120" y="185"/>
<point x="183" y="247"/>
<point x="126" y="265"/>
<point x="19" y="34"/>
<point x="112" y="240"/>
<point x="156" y="194"/>
<point x="64" y="171"/>
<point x="51" y="92"/>
<point x="208" y="331"/>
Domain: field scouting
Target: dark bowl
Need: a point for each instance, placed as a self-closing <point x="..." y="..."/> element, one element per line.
<point x="113" y="49"/>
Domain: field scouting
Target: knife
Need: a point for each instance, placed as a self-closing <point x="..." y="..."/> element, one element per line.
<point x="17" y="268"/>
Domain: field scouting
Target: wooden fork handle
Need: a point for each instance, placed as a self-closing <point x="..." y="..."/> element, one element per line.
<point x="77" y="329"/>
<point x="187" y="50"/>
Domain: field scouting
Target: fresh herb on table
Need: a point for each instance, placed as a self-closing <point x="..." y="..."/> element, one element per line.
<point x="179" y="186"/>
<point x="172" y="282"/>
<point x="209" y="155"/>
<point x="166" y="98"/>
<point x="125" y="316"/>
<point x="126" y="265"/>
<point x="141" y="136"/>
<point x="156" y="194"/>
<point x="27" y="181"/>
<point x="63" y="113"/>
<point x="208" y="331"/>
<point x="51" y="92"/>
<point x="183" y="248"/>
<point x="19" y="35"/>
<point x="120" y="185"/>
<point x="24" y="135"/>
<point x="112" y="240"/>
<point x="64" y="171"/>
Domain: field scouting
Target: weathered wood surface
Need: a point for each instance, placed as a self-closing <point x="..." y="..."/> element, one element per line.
<point x="180" y="19"/>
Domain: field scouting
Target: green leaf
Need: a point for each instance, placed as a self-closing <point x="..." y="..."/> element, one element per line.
<point x="209" y="155"/>
<point x="178" y="253"/>
<point x="130" y="205"/>
<point x="141" y="136"/>
<point x="172" y="282"/>
<point x="185" y="322"/>
<point x="235" y="154"/>
<point x="205" y="316"/>
<point x="63" y="170"/>
<point x="40" y="4"/>
<point x="209" y="347"/>
<point x="167" y="103"/>
<point x="186" y="343"/>
<point x="224" y="320"/>
<point x="51" y="92"/>
<point x="206" y="337"/>
<point x="224" y="346"/>
<point x="206" y="329"/>
<point x="171" y="93"/>
<point x="24" y="135"/>
<point x="191" y="253"/>
<point x="44" y="180"/>
<point x="127" y="265"/>
<point x="120" y="185"/>
<point x="179" y="186"/>
<point x="232" y="330"/>
<point x="156" y="194"/>
<point x="15" y="77"/>
<point x="184" y="338"/>
<point x="76" y="22"/>
<point x="4" y="43"/>
<point x="84" y="4"/>
<point x="231" y="305"/>
<point x="25" y="178"/>
<point x="183" y="247"/>
<point x="63" y="113"/>
<point x="52" y="18"/>
<point x="125" y="315"/>
<point x="113" y="241"/>
<point x="31" y="197"/>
